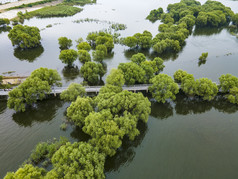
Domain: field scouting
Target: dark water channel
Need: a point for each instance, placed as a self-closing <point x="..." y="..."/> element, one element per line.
<point x="187" y="138"/>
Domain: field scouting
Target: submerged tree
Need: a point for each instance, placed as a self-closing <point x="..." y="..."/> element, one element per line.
<point x="84" y="56"/>
<point x="68" y="56"/>
<point x="115" y="78"/>
<point x="72" y="92"/>
<point x="206" y="88"/>
<point x="77" y="160"/>
<point x="80" y="109"/>
<point x="64" y="43"/>
<point x="25" y="36"/>
<point x="92" y="71"/>
<point x="163" y="87"/>
<point x="227" y="82"/>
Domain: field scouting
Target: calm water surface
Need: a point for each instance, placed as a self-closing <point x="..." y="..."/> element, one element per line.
<point x="183" y="139"/>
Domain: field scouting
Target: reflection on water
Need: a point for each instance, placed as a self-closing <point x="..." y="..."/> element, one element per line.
<point x="207" y="31"/>
<point x="29" y="55"/>
<point x="3" y="106"/>
<point x="45" y="111"/>
<point x="78" y="134"/>
<point x="70" y="73"/>
<point x="161" y="111"/>
<point x="126" y="153"/>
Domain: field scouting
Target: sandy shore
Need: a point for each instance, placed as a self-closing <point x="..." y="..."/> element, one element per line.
<point x="13" y="13"/>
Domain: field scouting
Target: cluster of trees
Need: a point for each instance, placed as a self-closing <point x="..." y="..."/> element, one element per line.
<point x="4" y="21"/>
<point x="140" y="70"/>
<point x="25" y="36"/>
<point x="69" y="160"/>
<point x="211" y="13"/>
<point x="164" y="87"/>
<point x="108" y="118"/>
<point x="101" y="43"/>
<point x="113" y="114"/>
<point x="138" y="40"/>
<point x="179" y="21"/>
<point x="34" y="88"/>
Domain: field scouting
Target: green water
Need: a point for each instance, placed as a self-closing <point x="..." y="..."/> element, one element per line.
<point x="187" y="138"/>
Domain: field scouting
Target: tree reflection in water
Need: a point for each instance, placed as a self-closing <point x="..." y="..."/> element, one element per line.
<point x="70" y="73"/>
<point x="126" y="152"/>
<point x="44" y="111"/>
<point x="29" y="55"/>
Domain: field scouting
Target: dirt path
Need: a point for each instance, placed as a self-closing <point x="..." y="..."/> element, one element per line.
<point x="13" y="13"/>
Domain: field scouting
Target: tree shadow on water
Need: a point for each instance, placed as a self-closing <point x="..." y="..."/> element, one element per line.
<point x="126" y="152"/>
<point x="161" y="111"/>
<point x="70" y="73"/>
<point x="45" y="111"/>
<point x="29" y="55"/>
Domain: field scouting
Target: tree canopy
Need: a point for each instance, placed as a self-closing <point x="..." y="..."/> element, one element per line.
<point x="92" y="71"/>
<point x="34" y="88"/>
<point x="25" y="36"/>
<point x="72" y="92"/>
<point x="84" y="56"/>
<point x="115" y="78"/>
<point x="68" y="56"/>
<point x="64" y="43"/>
<point x="163" y="87"/>
<point x="80" y="109"/>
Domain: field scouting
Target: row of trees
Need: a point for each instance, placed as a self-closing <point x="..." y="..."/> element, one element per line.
<point x="34" y="88"/>
<point x="140" y="70"/>
<point x="164" y="87"/>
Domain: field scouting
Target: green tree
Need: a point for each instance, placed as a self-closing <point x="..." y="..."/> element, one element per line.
<point x="179" y="75"/>
<point x="206" y="88"/>
<point x="1" y="78"/>
<point x="98" y="55"/>
<point x="150" y="69"/>
<point x="64" y="43"/>
<point x="27" y="93"/>
<point x="92" y="71"/>
<point x="84" y="56"/>
<point x="84" y="46"/>
<point x="79" y="110"/>
<point x="227" y="82"/>
<point x="51" y="76"/>
<point x="4" y="21"/>
<point x="105" y="132"/>
<point x="68" y="56"/>
<point x="203" y="57"/>
<point x="233" y="95"/>
<point x="25" y="36"/>
<point x="132" y="72"/>
<point x="119" y="102"/>
<point x="72" y="92"/>
<point x="115" y="78"/>
<point x="77" y="160"/>
<point x="188" y="85"/>
<point x="138" y="58"/>
<point x="131" y="42"/>
<point x="102" y="48"/>
<point x="167" y="45"/>
<point x="160" y="65"/>
<point x="106" y="40"/>
<point x="235" y="19"/>
<point x="155" y="14"/>
<point x="27" y="171"/>
<point x="163" y="87"/>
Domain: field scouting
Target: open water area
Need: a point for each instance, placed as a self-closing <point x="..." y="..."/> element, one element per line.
<point x="187" y="138"/>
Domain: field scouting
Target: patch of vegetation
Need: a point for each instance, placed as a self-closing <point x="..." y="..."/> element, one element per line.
<point x="25" y="36"/>
<point x="48" y="26"/>
<point x="118" y="26"/>
<point x="55" y="11"/>
<point x="31" y="4"/>
<point x="78" y="2"/>
<point x="203" y="57"/>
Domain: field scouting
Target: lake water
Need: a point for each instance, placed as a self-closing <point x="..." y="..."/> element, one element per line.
<point x="183" y="139"/>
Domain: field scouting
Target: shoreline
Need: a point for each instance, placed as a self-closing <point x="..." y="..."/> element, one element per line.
<point x="13" y="13"/>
